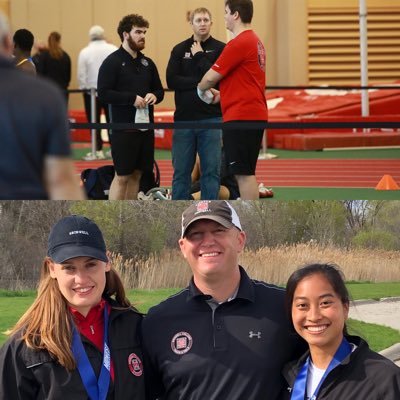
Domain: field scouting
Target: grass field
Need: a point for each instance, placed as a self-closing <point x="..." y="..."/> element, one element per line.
<point x="314" y="193"/>
<point x="13" y="304"/>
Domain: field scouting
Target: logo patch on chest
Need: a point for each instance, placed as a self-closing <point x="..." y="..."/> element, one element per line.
<point x="254" y="335"/>
<point x="135" y="364"/>
<point x="181" y="343"/>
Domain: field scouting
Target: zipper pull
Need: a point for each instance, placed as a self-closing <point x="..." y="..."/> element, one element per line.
<point x="92" y="329"/>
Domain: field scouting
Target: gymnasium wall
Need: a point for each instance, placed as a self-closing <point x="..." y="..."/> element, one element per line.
<point x="168" y="26"/>
<point x="283" y="25"/>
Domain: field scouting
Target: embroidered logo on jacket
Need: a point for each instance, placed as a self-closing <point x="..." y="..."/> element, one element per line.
<point x="144" y="62"/>
<point x="135" y="364"/>
<point x="254" y="335"/>
<point x="181" y="343"/>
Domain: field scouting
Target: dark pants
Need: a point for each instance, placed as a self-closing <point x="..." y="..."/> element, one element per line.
<point x="99" y="107"/>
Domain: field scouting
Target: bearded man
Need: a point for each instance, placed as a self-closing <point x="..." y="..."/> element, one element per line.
<point x="129" y="82"/>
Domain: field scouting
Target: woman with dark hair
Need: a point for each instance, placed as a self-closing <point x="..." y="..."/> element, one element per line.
<point x="336" y="366"/>
<point x="54" y="63"/>
<point x="79" y="339"/>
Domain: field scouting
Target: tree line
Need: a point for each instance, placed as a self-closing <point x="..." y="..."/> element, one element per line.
<point x="137" y="229"/>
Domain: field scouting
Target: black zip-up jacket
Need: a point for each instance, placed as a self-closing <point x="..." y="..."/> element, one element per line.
<point x="363" y="375"/>
<point x="121" y="78"/>
<point x="234" y="351"/>
<point x="26" y="374"/>
<point x="185" y="71"/>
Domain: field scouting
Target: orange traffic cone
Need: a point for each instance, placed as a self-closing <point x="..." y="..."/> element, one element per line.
<point x="387" y="183"/>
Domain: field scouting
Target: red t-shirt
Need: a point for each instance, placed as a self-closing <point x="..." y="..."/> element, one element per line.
<point x="242" y="64"/>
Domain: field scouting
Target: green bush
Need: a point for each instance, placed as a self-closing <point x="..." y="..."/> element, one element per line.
<point x="375" y="239"/>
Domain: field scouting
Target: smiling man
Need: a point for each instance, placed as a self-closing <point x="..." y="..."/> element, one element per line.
<point x="225" y="336"/>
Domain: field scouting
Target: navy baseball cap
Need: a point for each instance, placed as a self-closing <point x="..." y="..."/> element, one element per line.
<point x="76" y="236"/>
<point x="216" y="210"/>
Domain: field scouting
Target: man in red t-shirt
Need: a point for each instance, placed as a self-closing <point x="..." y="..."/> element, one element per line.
<point x="240" y="71"/>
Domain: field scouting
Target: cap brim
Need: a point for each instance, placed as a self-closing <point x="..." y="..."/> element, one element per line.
<point x="71" y="251"/>
<point x="222" y="221"/>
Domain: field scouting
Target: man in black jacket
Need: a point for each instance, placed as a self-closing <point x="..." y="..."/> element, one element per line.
<point x="130" y="83"/>
<point x="189" y="61"/>
<point x="226" y="336"/>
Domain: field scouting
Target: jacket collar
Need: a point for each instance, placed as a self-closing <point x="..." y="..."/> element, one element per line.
<point x="126" y="54"/>
<point x="205" y="42"/>
<point x="245" y="291"/>
<point x="291" y="369"/>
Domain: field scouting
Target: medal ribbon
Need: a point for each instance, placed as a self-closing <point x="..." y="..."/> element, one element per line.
<point x="96" y="389"/>
<point x="300" y="384"/>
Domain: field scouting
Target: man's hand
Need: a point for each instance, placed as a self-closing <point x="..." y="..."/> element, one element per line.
<point x="150" y="99"/>
<point x="206" y="95"/>
<point x="196" y="47"/>
<point x="217" y="96"/>
<point x="140" y="102"/>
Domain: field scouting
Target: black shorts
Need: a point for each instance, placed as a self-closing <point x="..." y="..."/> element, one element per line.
<point x="242" y="148"/>
<point x="132" y="150"/>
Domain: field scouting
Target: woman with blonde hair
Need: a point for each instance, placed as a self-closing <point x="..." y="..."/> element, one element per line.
<point x="54" y="63"/>
<point x="79" y="339"/>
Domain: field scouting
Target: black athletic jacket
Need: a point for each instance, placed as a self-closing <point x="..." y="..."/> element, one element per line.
<point x="184" y="72"/>
<point x="235" y="352"/>
<point x="122" y="78"/>
<point x="363" y="375"/>
<point x="26" y="374"/>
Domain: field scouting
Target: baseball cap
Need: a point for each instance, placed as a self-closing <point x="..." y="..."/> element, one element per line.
<point x="96" y="32"/>
<point x="215" y="210"/>
<point x="76" y="236"/>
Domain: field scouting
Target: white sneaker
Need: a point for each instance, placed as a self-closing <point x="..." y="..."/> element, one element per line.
<point x="142" y="196"/>
<point x="91" y="157"/>
<point x="158" y="195"/>
<point x="100" y="155"/>
<point x="155" y="194"/>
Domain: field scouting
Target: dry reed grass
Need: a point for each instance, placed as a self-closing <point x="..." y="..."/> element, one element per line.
<point x="274" y="265"/>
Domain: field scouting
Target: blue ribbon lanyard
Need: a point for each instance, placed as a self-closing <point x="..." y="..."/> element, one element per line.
<point x="300" y="384"/>
<point x="96" y="389"/>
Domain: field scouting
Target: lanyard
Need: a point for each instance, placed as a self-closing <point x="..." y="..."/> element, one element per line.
<point x="97" y="390"/>
<point x="299" y="387"/>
